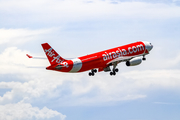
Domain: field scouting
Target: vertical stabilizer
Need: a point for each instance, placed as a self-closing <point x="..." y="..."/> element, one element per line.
<point x="52" y="55"/>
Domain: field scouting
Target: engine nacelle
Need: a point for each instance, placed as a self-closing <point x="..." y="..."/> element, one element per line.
<point x="134" y="61"/>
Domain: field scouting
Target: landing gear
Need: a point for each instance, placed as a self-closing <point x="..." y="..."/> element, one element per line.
<point x="114" y="72"/>
<point x="92" y="73"/>
<point x="143" y="58"/>
<point x="94" y="70"/>
<point x="114" y="69"/>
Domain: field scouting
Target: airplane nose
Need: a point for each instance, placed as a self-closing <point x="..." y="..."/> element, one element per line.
<point x="148" y="45"/>
<point x="151" y="46"/>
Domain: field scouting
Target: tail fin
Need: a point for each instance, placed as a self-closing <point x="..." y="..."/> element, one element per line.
<point x="52" y="55"/>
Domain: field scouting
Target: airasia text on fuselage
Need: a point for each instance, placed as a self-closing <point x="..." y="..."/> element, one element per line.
<point x="123" y="52"/>
<point x="50" y="53"/>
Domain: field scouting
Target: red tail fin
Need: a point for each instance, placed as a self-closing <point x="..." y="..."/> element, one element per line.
<point x="52" y="55"/>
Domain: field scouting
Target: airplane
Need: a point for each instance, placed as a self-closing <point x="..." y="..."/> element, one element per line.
<point x="101" y="61"/>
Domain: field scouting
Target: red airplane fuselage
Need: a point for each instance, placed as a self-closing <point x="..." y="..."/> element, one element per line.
<point x="100" y="60"/>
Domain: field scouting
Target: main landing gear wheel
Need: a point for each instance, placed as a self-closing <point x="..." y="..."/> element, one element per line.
<point x="114" y="69"/>
<point x="94" y="70"/>
<point x="114" y="72"/>
<point x="92" y="73"/>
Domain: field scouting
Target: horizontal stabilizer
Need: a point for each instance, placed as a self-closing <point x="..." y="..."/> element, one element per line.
<point x="29" y="56"/>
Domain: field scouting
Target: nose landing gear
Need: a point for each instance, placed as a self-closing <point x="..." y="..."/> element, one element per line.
<point x="143" y="58"/>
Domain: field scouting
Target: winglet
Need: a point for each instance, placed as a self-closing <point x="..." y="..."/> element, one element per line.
<point x="29" y="56"/>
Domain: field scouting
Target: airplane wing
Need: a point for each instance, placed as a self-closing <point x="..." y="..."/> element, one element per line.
<point x="120" y="59"/>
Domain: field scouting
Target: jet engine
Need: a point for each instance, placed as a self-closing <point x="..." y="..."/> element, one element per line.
<point x="134" y="61"/>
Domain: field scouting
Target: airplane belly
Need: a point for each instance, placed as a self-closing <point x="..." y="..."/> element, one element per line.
<point x="77" y="65"/>
<point x="91" y="62"/>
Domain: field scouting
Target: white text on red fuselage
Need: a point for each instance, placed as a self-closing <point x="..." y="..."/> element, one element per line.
<point x="122" y="52"/>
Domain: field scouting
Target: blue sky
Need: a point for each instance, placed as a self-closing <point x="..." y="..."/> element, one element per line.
<point x="74" y="28"/>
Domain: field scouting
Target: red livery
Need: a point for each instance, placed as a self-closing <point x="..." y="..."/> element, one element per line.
<point x="100" y="61"/>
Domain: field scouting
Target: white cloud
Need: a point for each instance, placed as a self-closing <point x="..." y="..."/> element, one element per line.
<point x="14" y="60"/>
<point x="172" y="62"/>
<point x="21" y="36"/>
<point x="38" y="84"/>
<point x="29" y="83"/>
<point x="157" y="78"/>
<point x="25" y="111"/>
<point x="75" y="10"/>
